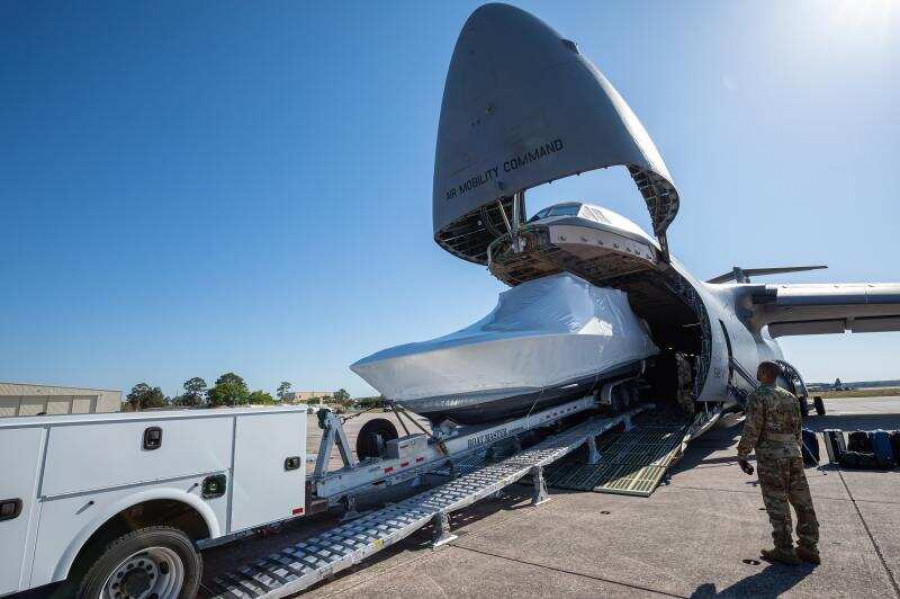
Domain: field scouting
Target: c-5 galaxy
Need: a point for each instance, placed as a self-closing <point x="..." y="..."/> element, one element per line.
<point x="523" y="107"/>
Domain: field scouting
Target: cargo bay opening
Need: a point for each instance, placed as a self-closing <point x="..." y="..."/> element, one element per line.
<point x="608" y="250"/>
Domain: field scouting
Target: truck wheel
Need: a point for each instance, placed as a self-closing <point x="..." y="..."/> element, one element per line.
<point x="804" y="406"/>
<point x="373" y="436"/>
<point x="158" y="562"/>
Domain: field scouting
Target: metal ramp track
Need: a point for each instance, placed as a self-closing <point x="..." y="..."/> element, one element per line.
<point x="299" y="566"/>
<point x="631" y="463"/>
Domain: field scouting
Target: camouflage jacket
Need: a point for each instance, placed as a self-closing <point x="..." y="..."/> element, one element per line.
<point x="773" y="424"/>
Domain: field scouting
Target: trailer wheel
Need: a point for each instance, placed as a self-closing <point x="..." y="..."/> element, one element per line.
<point x="158" y="562"/>
<point x="373" y="436"/>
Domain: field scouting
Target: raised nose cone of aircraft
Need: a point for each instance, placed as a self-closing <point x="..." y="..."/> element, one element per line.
<point x="522" y="107"/>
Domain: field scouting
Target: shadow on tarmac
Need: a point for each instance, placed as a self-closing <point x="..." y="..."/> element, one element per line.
<point x="773" y="581"/>
<point x="850" y="422"/>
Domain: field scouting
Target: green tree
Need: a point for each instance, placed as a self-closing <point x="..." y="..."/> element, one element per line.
<point x="371" y="402"/>
<point x="283" y="390"/>
<point x="227" y="394"/>
<point x="194" y="390"/>
<point x="230" y="377"/>
<point x="229" y="390"/>
<point x="143" y="396"/>
<point x="260" y="397"/>
<point x="341" y="395"/>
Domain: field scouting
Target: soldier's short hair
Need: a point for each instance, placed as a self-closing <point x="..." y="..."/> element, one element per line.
<point x="772" y="368"/>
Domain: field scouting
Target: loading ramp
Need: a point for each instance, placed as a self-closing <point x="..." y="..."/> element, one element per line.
<point x="301" y="565"/>
<point x="626" y="462"/>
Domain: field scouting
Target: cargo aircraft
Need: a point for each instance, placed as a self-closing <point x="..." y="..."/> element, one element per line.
<point x="523" y="107"/>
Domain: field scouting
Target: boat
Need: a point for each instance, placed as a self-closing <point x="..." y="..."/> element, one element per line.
<point x="547" y="341"/>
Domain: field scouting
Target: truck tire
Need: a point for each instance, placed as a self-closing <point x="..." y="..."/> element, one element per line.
<point x="158" y="562"/>
<point x="367" y="445"/>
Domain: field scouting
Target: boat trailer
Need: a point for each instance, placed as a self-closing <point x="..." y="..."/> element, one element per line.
<point x="463" y="456"/>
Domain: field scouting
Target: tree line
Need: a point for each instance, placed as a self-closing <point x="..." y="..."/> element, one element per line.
<point x="229" y="389"/>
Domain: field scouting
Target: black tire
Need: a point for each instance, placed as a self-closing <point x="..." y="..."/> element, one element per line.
<point x="367" y="445"/>
<point x="819" y="405"/>
<point x="118" y="550"/>
<point x="804" y="406"/>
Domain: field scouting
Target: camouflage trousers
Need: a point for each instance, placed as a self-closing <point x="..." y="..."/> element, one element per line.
<point x="783" y="481"/>
<point x="686" y="402"/>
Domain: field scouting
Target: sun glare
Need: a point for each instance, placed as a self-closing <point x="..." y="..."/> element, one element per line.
<point x="864" y="17"/>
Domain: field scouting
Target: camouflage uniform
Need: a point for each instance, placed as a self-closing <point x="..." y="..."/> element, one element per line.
<point x="773" y="427"/>
<point x="685" y="380"/>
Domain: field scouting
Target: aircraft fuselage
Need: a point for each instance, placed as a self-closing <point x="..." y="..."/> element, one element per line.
<point x="712" y="322"/>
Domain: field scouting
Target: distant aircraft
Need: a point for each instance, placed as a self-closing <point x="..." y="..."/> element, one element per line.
<point x="523" y="107"/>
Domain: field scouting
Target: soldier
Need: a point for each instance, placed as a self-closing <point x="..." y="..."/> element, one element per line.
<point x="773" y="428"/>
<point x="685" y="384"/>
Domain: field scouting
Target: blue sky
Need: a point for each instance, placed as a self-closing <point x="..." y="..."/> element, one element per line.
<point x="189" y="189"/>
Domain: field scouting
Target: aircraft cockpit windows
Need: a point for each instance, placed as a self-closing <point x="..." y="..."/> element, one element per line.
<point x="558" y="210"/>
<point x="565" y="210"/>
<point x="541" y="214"/>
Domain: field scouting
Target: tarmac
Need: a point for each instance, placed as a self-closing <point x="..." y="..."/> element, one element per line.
<point x="698" y="535"/>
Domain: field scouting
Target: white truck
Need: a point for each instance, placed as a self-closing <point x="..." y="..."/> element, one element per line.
<point x="120" y="505"/>
<point x="117" y="503"/>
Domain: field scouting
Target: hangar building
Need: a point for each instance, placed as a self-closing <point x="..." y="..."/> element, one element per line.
<point x="22" y="399"/>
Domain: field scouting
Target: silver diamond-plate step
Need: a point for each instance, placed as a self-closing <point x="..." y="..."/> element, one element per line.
<point x="299" y="566"/>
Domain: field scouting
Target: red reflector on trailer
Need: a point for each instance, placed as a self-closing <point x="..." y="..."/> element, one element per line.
<point x="297" y="511"/>
<point x="419" y="460"/>
<point x="389" y="469"/>
<point x="404" y="464"/>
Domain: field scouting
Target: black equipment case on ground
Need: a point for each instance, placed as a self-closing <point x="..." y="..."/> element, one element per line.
<point x="834" y="444"/>
<point x="860" y="441"/>
<point x="810" y="447"/>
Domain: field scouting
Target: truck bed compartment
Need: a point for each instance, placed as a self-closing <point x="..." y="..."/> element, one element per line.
<point x="103" y="455"/>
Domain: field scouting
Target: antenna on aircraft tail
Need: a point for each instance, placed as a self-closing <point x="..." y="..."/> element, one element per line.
<point x="742" y="275"/>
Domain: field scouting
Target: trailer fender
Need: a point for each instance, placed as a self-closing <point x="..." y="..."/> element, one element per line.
<point x="68" y="557"/>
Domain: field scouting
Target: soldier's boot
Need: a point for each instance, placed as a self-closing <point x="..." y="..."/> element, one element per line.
<point x="782" y="554"/>
<point x="809" y="554"/>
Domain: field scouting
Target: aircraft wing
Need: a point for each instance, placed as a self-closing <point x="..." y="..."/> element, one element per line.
<point x="823" y="308"/>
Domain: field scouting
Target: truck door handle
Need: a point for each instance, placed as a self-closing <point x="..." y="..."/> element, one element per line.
<point x="292" y="463"/>
<point x="10" y="509"/>
<point x="152" y="438"/>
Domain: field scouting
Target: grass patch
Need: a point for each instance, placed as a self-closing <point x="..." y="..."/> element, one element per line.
<point x="876" y="392"/>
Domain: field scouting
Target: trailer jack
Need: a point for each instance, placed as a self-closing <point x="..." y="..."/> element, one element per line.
<point x="334" y="435"/>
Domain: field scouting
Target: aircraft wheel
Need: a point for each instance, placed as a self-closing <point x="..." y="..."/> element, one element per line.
<point x="819" y="405"/>
<point x="373" y="438"/>
<point x="804" y="406"/>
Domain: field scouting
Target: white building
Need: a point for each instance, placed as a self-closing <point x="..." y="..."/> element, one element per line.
<point x="22" y="399"/>
<point x="304" y="396"/>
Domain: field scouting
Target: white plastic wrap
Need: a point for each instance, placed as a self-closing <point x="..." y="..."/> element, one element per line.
<point x="543" y="333"/>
